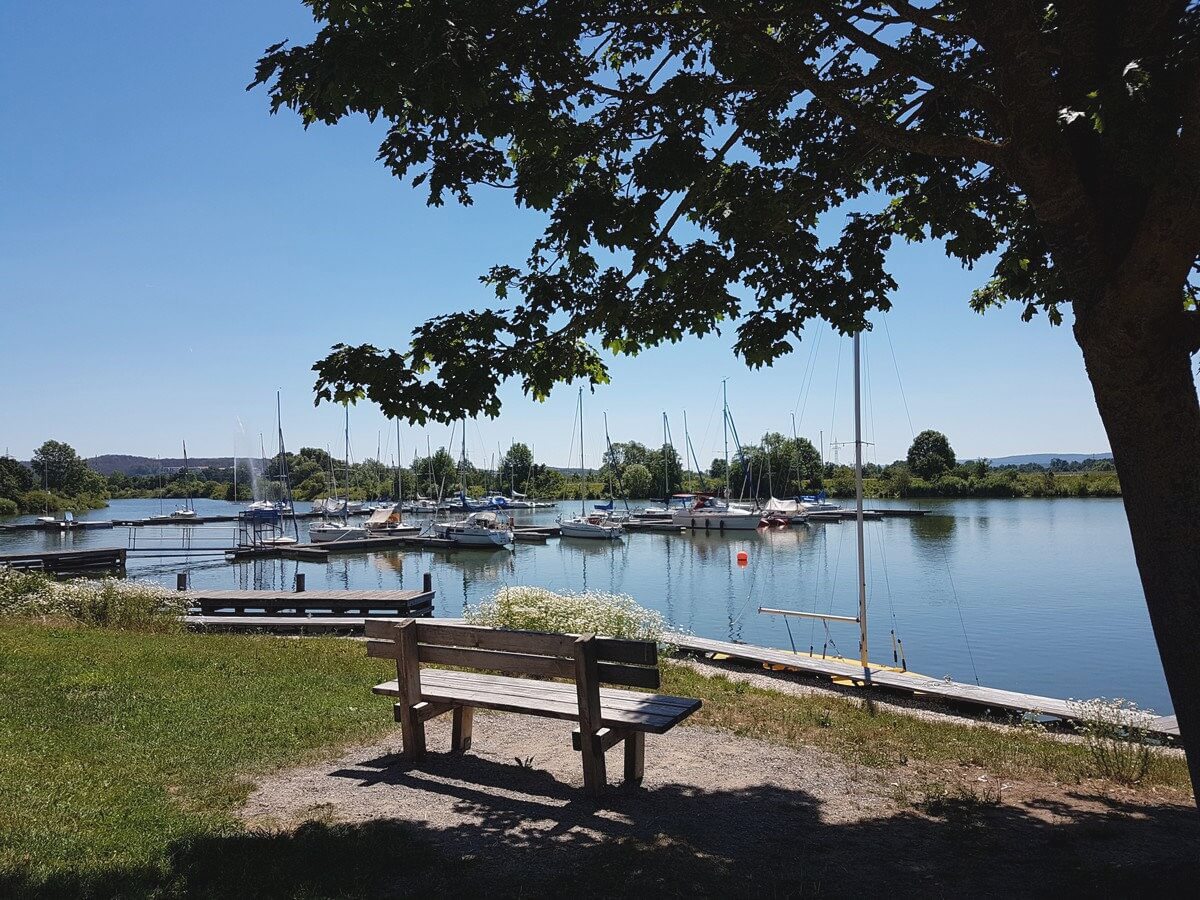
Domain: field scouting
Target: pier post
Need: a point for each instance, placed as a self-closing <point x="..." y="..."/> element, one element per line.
<point x="427" y="582"/>
<point x="299" y="582"/>
<point x="181" y="581"/>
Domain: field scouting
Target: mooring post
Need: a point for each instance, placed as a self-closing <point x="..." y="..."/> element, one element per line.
<point x="427" y="583"/>
<point x="181" y="581"/>
<point x="299" y="582"/>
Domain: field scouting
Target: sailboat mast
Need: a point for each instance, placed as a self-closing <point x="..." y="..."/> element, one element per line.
<point x="582" y="483"/>
<point x="725" y="423"/>
<point x="399" y="477"/>
<point x="187" y="479"/>
<point x="347" y="511"/>
<point x="666" y="473"/>
<point x="858" y="507"/>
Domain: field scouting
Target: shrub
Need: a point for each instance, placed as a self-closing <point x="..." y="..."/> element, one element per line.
<point x="104" y="602"/>
<point x="538" y="609"/>
<point x="1115" y="732"/>
<point x="8" y="507"/>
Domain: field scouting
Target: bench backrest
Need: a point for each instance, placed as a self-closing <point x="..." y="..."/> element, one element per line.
<point x="617" y="660"/>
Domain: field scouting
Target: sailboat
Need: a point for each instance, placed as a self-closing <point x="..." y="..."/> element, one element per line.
<point x="274" y="512"/>
<point x="861" y="618"/>
<point x="598" y="525"/>
<point x="481" y="527"/>
<point x="187" y="511"/>
<point x="708" y="512"/>
<point x="327" y="532"/>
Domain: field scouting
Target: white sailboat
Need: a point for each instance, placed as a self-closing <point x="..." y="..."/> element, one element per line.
<point x="328" y="532"/>
<point x="709" y="513"/>
<point x="187" y="511"/>
<point x="596" y="526"/>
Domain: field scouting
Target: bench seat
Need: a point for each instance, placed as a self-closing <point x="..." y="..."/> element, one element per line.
<point x="630" y="710"/>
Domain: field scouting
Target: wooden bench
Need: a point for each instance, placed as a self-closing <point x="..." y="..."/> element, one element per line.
<point x="606" y="716"/>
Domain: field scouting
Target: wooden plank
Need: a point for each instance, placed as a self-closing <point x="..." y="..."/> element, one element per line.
<point x="536" y="642"/>
<point x="661" y="704"/>
<point x="632" y="676"/>
<point x="408" y="689"/>
<point x="1166" y="725"/>
<point x="553" y="707"/>
<point x="904" y="681"/>
<point x="624" y="650"/>
<point x="497" y="661"/>
<point x="587" y="689"/>
<point x="635" y="758"/>
<point x="460" y="728"/>
<point x="609" y="737"/>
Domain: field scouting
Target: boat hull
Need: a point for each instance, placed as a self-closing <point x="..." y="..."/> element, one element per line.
<point x="701" y="520"/>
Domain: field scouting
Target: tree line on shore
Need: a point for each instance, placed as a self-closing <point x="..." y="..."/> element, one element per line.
<point x="58" y="478"/>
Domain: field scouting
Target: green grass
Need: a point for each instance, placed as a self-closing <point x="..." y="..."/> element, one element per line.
<point x="124" y="756"/>
<point x="118" y="749"/>
<point x="870" y="736"/>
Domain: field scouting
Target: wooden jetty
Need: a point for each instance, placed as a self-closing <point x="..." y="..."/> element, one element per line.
<point x="260" y="606"/>
<point x="297" y="552"/>
<point x="69" y="562"/>
<point x="906" y="682"/>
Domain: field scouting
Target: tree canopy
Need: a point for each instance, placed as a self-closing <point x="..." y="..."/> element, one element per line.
<point x="686" y="153"/>
<point x="931" y="454"/>
<point x="57" y="466"/>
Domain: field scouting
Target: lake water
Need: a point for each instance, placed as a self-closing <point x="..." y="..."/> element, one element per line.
<point x="1033" y="595"/>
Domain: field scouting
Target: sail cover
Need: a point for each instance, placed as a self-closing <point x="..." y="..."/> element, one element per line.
<point x="783" y="506"/>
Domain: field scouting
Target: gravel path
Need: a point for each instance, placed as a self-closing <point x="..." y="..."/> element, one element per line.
<point x="717" y="810"/>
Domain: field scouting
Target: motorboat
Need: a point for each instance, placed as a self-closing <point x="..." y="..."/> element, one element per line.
<point x="596" y="526"/>
<point x="711" y="513"/>
<point x="421" y="505"/>
<point x="479" y="529"/>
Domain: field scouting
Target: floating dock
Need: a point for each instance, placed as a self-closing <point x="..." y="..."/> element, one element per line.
<point x="69" y="562"/>
<point x="906" y="682"/>
<point x="222" y="605"/>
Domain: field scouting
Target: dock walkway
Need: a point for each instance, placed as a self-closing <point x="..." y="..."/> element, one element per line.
<point x="908" y="682"/>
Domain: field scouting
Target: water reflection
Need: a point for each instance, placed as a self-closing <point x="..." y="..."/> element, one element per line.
<point x="937" y="529"/>
<point x="1046" y="590"/>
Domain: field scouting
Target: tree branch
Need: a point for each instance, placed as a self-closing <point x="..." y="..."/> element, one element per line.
<point x="932" y="75"/>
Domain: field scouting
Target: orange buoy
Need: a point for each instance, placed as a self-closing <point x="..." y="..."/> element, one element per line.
<point x="743" y="558"/>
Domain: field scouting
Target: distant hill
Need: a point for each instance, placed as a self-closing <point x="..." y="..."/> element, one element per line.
<point x="146" y="465"/>
<point x="1043" y="459"/>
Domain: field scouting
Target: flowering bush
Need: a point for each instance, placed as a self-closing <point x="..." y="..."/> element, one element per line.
<point x="105" y="601"/>
<point x="538" y="609"/>
<point x="1115" y="732"/>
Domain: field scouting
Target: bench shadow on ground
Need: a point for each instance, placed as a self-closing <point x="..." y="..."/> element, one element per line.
<point x="530" y="834"/>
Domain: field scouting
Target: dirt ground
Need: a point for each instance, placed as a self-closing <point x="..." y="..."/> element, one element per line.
<point x="719" y="813"/>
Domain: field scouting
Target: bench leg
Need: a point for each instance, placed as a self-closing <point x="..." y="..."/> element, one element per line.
<point x="594" y="776"/>
<point x="412" y="733"/>
<point x="463" y="718"/>
<point x="635" y="757"/>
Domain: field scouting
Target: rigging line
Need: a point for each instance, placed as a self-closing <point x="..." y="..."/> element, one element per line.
<point x="837" y="375"/>
<point x="711" y="413"/>
<point x="961" y="621"/>
<point x="812" y="376"/>
<point x="808" y="366"/>
<point x="574" y="426"/>
<point x="896" y="365"/>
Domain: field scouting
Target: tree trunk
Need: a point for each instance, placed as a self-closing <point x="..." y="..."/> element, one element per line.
<point x="1141" y="374"/>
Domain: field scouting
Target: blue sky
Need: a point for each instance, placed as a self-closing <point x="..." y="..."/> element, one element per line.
<point x="170" y="255"/>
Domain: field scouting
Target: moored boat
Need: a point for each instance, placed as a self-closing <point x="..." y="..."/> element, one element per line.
<point x="479" y="529"/>
<point x="713" y="513"/>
